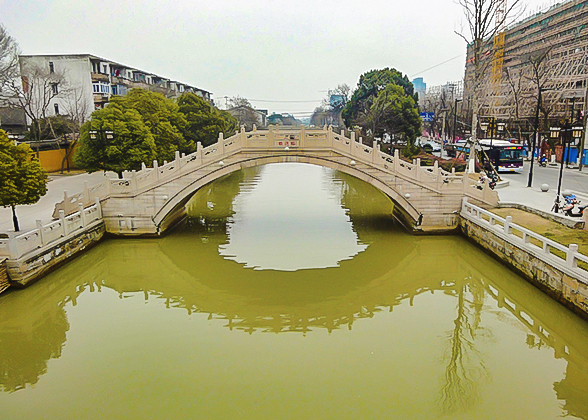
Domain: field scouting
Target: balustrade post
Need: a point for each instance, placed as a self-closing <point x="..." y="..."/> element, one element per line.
<point x="418" y="169"/>
<point x="352" y="143"/>
<point x="143" y="166"/>
<point x="330" y="136"/>
<point x="98" y="208"/>
<point x="436" y="168"/>
<point x="62" y="219"/>
<point x="507" y="223"/>
<point x="156" y="169"/>
<point x="13" y="245"/>
<point x="221" y="141"/>
<point x="302" y="136"/>
<point x="199" y="153"/>
<point x="41" y="231"/>
<point x="177" y="159"/>
<point x="82" y="215"/>
<point x="134" y="180"/>
<point x="464" y="207"/>
<point x="571" y="256"/>
<point x="375" y="152"/>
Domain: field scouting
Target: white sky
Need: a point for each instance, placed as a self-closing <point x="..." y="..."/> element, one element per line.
<point x="280" y="50"/>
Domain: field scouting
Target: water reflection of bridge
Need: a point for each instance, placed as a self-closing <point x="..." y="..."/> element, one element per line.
<point x="42" y="324"/>
<point x="185" y="272"/>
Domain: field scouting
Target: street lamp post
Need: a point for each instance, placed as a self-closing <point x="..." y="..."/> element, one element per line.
<point x="567" y="131"/>
<point x="455" y="118"/>
<point x="554" y="134"/>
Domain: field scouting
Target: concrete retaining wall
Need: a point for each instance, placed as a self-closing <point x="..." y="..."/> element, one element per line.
<point x="551" y="277"/>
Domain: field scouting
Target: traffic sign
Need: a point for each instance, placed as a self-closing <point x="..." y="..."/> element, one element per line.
<point x="427" y="116"/>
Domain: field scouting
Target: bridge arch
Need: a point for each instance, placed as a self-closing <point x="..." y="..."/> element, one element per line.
<point x="173" y="210"/>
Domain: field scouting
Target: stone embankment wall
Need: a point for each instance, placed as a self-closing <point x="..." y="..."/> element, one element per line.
<point x="34" y="265"/>
<point x="4" y="283"/>
<point x="30" y="255"/>
<point x="531" y="256"/>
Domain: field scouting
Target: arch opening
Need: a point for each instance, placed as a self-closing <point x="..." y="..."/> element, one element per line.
<point x="173" y="210"/>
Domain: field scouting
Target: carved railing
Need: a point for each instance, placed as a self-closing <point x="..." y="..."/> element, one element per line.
<point x="543" y="248"/>
<point x="17" y="245"/>
<point x="290" y="139"/>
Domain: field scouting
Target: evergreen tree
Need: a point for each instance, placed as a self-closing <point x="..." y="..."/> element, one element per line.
<point x="162" y="118"/>
<point x="116" y="139"/>
<point x="22" y="179"/>
<point x="203" y="121"/>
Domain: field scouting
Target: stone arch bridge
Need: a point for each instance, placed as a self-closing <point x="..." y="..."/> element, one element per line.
<point x="147" y="202"/>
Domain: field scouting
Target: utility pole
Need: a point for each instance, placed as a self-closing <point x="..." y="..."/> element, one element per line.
<point x="585" y="136"/>
<point x="535" y="134"/>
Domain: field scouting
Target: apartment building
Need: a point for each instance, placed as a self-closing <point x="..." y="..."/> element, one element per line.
<point x="509" y="91"/>
<point x="91" y="81"/>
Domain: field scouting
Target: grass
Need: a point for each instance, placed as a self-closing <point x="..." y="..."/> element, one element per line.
<point x="545" y="227"/>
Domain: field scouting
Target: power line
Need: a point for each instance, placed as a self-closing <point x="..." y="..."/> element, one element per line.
<point x="275" y="101"/>
<point x="285" y="102"/>
<point x="436" y="65"/>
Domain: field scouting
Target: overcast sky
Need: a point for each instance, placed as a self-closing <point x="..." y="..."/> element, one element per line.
<point x="280" y="50"/>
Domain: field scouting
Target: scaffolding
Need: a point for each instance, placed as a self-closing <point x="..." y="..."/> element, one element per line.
<point x="509" y="91"/>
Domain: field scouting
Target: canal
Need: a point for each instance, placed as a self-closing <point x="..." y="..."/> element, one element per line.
<point x="289" y="293"/>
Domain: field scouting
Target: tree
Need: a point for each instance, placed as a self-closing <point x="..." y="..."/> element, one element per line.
<point x="116" y="139"/>
<point x="329" y="112"/>
<point x="394" y="113"/>
<point x="484" y="19"/>
<point x="203" y="121"/>
<point x="368" y="87"/>
<point x="22" y="179"/>
<point x="162" y="117"/>
<point x="244" y="112"/>
<point x="35" y="94"/>
<point x="9" y="52"/>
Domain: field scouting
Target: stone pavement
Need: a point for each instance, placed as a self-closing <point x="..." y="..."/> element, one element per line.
<point x="43" y="210"/>
<point x="518" y="192"/>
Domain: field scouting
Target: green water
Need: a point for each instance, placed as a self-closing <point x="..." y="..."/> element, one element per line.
<point x="289" y="293"/>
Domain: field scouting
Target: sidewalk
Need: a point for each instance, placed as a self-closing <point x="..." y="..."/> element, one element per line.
<point x="43" y="210"/>
<point x="518" y="192"/>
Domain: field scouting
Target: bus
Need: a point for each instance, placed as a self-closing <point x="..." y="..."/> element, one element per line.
<point x="504" y="155"/>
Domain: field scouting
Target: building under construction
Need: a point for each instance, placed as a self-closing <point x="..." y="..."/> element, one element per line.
<point x="548" y="50"/>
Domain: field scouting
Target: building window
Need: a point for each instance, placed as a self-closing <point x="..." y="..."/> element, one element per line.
<point x="51" y="67"/>
<point x="56" y="109"/>
<point x="101" y="87"/>
<point x="54" y="88"/>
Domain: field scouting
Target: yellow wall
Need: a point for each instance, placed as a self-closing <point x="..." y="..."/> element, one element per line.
<point x="51" y="160"/>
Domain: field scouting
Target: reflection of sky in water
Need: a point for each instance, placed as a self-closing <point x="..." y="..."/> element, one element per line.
<point x="304" y="227"/>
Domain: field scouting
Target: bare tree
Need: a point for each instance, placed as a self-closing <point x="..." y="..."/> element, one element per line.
<point x="77" y="109"/>
<point x="242" y="109"/>
<point x="9" y="52"/>
<point x="35" y="92"/>
<point x="485" y="19"/>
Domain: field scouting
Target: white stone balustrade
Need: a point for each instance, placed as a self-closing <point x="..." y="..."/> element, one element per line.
<point x="18" y="244"/>
<point x="292" y="139"/>
<point x="521" y="237"/>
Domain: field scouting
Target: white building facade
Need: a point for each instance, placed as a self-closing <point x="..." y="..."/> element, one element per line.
<point x="88" y="82"/>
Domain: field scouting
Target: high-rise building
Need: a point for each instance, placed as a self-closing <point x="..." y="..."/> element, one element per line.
<point x="557" y="41"/>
